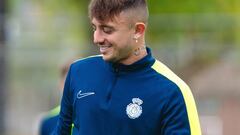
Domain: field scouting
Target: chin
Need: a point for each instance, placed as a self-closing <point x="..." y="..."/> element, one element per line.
<point x="109" y="59"/>
<point x="106" y="58"/>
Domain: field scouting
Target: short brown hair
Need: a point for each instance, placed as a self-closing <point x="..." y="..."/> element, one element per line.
<point x="105" y="10"/>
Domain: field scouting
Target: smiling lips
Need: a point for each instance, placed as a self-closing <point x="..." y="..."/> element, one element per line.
<point x="103" y="48"/>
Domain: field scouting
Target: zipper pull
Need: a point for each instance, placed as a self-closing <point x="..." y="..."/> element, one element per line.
<point x="116" y="70"/>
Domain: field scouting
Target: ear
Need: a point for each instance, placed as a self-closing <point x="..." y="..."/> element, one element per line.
<point x="139" y="30"/>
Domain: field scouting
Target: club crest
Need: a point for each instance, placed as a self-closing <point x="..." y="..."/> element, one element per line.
<point x="134" y="110"/>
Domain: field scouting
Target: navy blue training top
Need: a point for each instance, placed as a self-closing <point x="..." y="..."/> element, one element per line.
<point x="144" y="98"/>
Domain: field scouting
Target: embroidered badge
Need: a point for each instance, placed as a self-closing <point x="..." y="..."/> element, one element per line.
<point x="134" y="110"/>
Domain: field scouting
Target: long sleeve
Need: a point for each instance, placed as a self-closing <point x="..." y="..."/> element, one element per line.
<point x="175" y="117"/>
<point x="180" y="113"/>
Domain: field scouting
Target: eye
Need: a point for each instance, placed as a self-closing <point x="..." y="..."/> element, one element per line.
<point x="107" y="30"/>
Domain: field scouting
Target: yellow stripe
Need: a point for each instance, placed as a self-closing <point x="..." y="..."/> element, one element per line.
<point x="187" y="95"/>
<point x="54" y="111"/>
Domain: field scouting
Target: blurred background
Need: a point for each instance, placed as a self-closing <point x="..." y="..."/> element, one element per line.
<point x="199" y="40"/>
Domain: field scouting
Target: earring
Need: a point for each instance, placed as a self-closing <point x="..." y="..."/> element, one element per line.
<point x="136" y="39"/>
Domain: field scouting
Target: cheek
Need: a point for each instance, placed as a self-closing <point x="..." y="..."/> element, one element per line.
<point x="126" y="40"/>
<point x="121" y="40"/>
<point x="123" y="36"/>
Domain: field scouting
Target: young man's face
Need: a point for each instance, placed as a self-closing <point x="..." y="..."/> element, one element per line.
<point x="114" y="38"/>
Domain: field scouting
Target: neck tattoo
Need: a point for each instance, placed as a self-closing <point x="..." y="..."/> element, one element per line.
<point x="138" y="50"/>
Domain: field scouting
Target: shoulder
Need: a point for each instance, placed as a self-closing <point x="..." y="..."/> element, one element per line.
<point x="168" y="74"/>
<point x="174" y="82"/>
<point x="85" y="67"/>
<point x="177" y="89"/>
<point x="88" y="62"/>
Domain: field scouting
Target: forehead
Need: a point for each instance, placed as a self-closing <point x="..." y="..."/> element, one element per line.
<point x="118" y="20"/>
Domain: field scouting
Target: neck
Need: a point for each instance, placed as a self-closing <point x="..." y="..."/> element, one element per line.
<point x="136" y="55"/>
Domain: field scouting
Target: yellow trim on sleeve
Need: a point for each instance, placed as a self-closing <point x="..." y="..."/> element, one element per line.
<point x="187" y="95"/>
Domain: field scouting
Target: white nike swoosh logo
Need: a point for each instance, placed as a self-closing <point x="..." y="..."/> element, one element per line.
<point x="81" y="95"/>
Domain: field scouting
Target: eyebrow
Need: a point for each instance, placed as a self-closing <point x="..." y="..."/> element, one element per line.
<point x="103" y="25"/>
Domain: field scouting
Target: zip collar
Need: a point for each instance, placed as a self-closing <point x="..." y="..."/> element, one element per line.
<point x="145" y="62"/>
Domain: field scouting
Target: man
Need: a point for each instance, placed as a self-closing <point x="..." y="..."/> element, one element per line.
<point x="125" y="91"/>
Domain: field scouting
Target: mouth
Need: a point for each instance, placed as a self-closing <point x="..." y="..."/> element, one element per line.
<point x="104" y="48"/>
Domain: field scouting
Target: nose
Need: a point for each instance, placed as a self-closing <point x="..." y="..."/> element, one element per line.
<point x="98" y="37"/>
